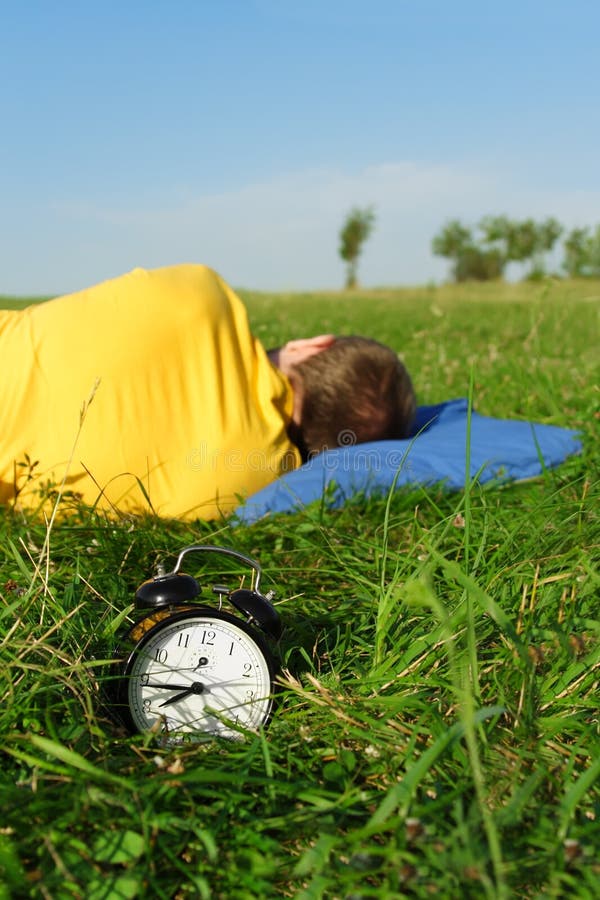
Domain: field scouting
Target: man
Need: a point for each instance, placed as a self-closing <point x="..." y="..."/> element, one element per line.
<point x="150" y="393"/>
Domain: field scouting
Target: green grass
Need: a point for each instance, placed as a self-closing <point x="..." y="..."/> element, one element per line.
<point x="438" y="729"/>
<point x="18" y="302"/>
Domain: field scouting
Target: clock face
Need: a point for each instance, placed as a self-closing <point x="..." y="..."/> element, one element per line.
<point x="199" y="673"/>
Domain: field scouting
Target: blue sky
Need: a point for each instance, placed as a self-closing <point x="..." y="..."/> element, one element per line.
<point x="239" y="133"/>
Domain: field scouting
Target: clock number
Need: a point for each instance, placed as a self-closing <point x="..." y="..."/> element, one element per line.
<point x="161" y="655"/>
<point x="247" y="670"/>
<point x="250" y="696"/>
<point x="184" y="640"/>
<point x="144" y="679"/>
<point x="208" y="638"/>
<point x="231" y="648"/>
<point x="146" y="706"/>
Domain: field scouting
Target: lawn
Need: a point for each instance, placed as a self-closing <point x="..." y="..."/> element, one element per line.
<point x="437" y="731"/>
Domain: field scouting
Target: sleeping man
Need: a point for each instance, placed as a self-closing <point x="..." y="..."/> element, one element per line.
<point x="149" y="393"/>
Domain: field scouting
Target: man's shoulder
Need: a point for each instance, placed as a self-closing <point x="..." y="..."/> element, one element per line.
<point x="188" y="289"/>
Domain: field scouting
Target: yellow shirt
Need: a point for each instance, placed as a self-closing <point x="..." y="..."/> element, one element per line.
<point x="145" y="393"/>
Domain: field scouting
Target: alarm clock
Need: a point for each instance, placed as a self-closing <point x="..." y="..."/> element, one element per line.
<point x="191" y="670"/>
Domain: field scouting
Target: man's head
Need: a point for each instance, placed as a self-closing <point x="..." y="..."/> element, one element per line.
<point x="347" y="390"/>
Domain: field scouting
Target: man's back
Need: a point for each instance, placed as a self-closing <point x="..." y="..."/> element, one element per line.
<point x="177" y="400"/>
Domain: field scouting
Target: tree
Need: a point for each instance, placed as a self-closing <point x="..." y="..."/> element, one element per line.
<point x="476" y="264"/>
<point x="500" y="241"/>
<point x="575" y="247"/>
<point x="582" y="253"/>
<point x="514" y="241"/>
<point x="498" y="232"/>
<point x="453" y="240"/>
<point x="537" y="239"/>
<point x="522" y="241"/>
<point x="357" y="227"/>
<point x="549" y="232"/>
<point x="470" y="262"/>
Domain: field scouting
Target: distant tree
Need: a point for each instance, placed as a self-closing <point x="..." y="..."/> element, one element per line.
<point x="453" y="240"/>
<point x="521" y="241"/>
<point x="537" y="240"/>
<point x="357" y="227"/>
<point x="470" y="262"/>
<point x="498" y="232"/>
<point x="507" y="237"/>
<point x="593" y="253"/>
<point x="549" y="232"/>
<point x="476" y="264"/>
<point x="582" y="253"/>
<point x="575" y="247"/>
<point x="500" y="240"/>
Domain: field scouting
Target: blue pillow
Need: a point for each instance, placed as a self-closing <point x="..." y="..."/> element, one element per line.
<point x="501" y="450"/>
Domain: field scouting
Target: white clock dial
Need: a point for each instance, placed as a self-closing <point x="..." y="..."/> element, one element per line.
<point x="199" y="672"/>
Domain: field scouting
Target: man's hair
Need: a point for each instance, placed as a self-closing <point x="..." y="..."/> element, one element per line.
<point x="357" y="390"/>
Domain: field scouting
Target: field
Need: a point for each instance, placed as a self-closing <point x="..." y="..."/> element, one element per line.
<point x="437" y="730"/>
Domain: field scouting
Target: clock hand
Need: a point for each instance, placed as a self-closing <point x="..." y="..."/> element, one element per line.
<point x="203" y="661"/>
<point x="196" y="688"/>
<point x="185" y="688"/>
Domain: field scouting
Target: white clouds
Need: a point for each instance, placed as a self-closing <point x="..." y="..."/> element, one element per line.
<point x="277" y="234"/>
